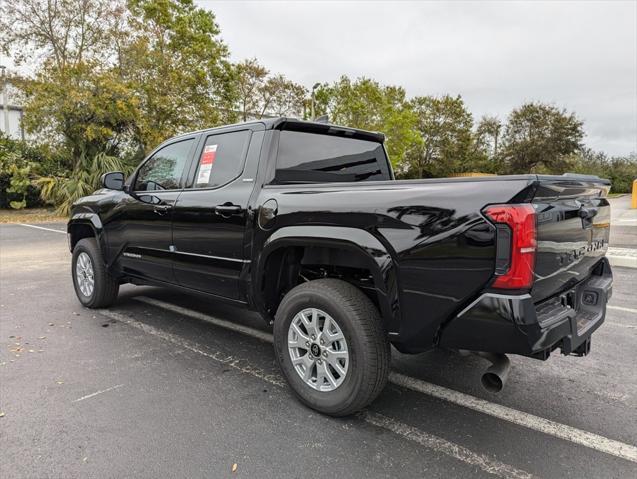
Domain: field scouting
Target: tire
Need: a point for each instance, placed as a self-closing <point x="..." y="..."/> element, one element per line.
<point x="366" y="346"/>
<point x="105" y="286"/>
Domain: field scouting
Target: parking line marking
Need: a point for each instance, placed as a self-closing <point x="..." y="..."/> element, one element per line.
<point x="430" y="441"/>
<point x="219" y="356"/>
<point x="88" y="396"/>
<point x="248" y="331"/>
<point x="42" y="228"/>
<point x="621" y="308"/>
<point x="439" y="444"/>
<point x="520" y="418"/>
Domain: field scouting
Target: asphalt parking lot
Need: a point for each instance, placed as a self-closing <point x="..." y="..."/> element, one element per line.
<point x="167" y="385"/>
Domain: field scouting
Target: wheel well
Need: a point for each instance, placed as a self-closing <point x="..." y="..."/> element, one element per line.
<point x="289" y="266"/>
<point x="80" y="231"/>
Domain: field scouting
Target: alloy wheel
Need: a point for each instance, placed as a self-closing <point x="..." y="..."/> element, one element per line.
<point x="318" y="349"/>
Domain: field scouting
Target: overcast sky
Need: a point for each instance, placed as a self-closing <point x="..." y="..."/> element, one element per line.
<point x="581" y="55"/>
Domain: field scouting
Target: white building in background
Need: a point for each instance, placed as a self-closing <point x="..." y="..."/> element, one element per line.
<point x="10" y="113"/>
<point x="11" y="121"/>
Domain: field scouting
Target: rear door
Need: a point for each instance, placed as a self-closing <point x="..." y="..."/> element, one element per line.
<point x="573" y="225"/>
<point x="211" y="217"/>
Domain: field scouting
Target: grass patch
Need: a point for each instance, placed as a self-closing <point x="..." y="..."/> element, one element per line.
<point x="30" y="215"/>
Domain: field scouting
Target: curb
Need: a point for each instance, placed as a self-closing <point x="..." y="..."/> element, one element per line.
<point x="624" y="257"/>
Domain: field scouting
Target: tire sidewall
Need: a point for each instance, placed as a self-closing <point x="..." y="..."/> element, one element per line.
<point x="344" y="394"/>
<point x="81" y="247"/>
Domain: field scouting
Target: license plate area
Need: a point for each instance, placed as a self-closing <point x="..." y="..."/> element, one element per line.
<point x="581" y="309"/>
<point x="590" y="302"/>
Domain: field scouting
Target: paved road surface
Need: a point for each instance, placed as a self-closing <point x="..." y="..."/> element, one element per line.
<point x="159" y="386"/>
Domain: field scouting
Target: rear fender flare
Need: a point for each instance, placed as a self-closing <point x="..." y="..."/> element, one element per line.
<point x="361" y="242"/>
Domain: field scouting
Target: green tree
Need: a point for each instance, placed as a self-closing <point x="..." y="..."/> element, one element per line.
<point x="114" y="77"/>
<point x="367" y="104"/>
<point x="82" y="108"/>
<point x="539" y="138"/>
<point x="287" y="98"/>
<point x="251" y="79"/>
<point x="261" y="94"/>
<point x="74" y="100"/>
<point x="59" y="33"/>
<point x="488" y="134"/>
<point x="178" y="69"/>
<point x="445" y="127"/>
<point x="486" y="145"/>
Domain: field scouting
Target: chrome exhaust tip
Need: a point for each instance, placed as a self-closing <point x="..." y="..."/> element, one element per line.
<point x="496" y="375"/>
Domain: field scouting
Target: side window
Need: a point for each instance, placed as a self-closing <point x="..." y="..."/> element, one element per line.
<point x="163" y="170"/>
<point x="222" y="159"/>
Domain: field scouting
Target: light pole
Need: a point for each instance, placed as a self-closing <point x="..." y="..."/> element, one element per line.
<point x="5" y="107"/>
<point x="316" y="85"/>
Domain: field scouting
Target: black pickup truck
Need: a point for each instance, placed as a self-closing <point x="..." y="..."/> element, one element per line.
<point x="305" y="223"/>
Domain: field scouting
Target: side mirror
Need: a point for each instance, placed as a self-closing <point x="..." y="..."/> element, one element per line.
<point x="113" y="180"/>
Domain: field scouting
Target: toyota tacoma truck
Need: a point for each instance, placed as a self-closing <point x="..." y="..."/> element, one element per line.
<point x="304" y="223"/>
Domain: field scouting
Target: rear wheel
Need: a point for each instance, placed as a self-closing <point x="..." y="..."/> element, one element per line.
<point x="331" y="346"/>
<point x="95" y="287"/>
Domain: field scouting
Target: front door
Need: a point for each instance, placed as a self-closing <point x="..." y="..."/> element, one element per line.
<point x="139" y="232"/>
<point x="211" y="216"/>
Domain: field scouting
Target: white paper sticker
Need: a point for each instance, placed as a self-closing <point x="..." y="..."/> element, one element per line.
<point x="205" y="163"/>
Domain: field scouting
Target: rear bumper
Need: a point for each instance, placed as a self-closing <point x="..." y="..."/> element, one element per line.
<point x="513" y="324"/>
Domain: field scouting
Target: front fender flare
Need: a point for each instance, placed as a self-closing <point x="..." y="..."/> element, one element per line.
<point x="91" y="220"/>
<point x="359" y="241"/>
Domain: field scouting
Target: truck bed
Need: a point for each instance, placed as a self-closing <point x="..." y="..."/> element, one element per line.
<point x="444" y="247"/>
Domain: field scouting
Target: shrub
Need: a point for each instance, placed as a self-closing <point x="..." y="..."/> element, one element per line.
<point x="17" y="170"/>
<point x="64" y="190"/>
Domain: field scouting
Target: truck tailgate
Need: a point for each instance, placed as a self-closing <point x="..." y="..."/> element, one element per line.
<point x="573" y="224"/>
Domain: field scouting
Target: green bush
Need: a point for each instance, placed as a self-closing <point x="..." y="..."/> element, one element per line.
<point x="622" y="171"/>
<point x="17" y="169"/>
<point x="64" y="190"/>
<point x="32" y="176"/>
<point x="19" y="185"/>
<point x="21" y="166"/>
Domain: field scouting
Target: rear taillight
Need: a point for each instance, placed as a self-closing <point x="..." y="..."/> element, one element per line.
<point x="516" y="245"/>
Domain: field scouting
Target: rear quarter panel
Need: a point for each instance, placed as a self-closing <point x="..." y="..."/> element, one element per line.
<point x="443" y="247"/>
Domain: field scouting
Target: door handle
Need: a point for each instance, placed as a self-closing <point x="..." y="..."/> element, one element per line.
<point x="227" y="209"/>
<point x="161" y="209"/>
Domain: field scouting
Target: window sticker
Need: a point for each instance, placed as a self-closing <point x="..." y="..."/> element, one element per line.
<point x="205" y="163"/>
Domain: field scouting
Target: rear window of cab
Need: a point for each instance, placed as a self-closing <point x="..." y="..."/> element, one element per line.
<point x="320" y="158"/>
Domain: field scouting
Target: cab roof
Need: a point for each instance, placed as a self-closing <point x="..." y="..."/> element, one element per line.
<point x="295" y="124"/>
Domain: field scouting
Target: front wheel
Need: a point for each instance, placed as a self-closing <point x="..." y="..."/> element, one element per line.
<point x="331" y="346"/>
<point x="94" y="285"/>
